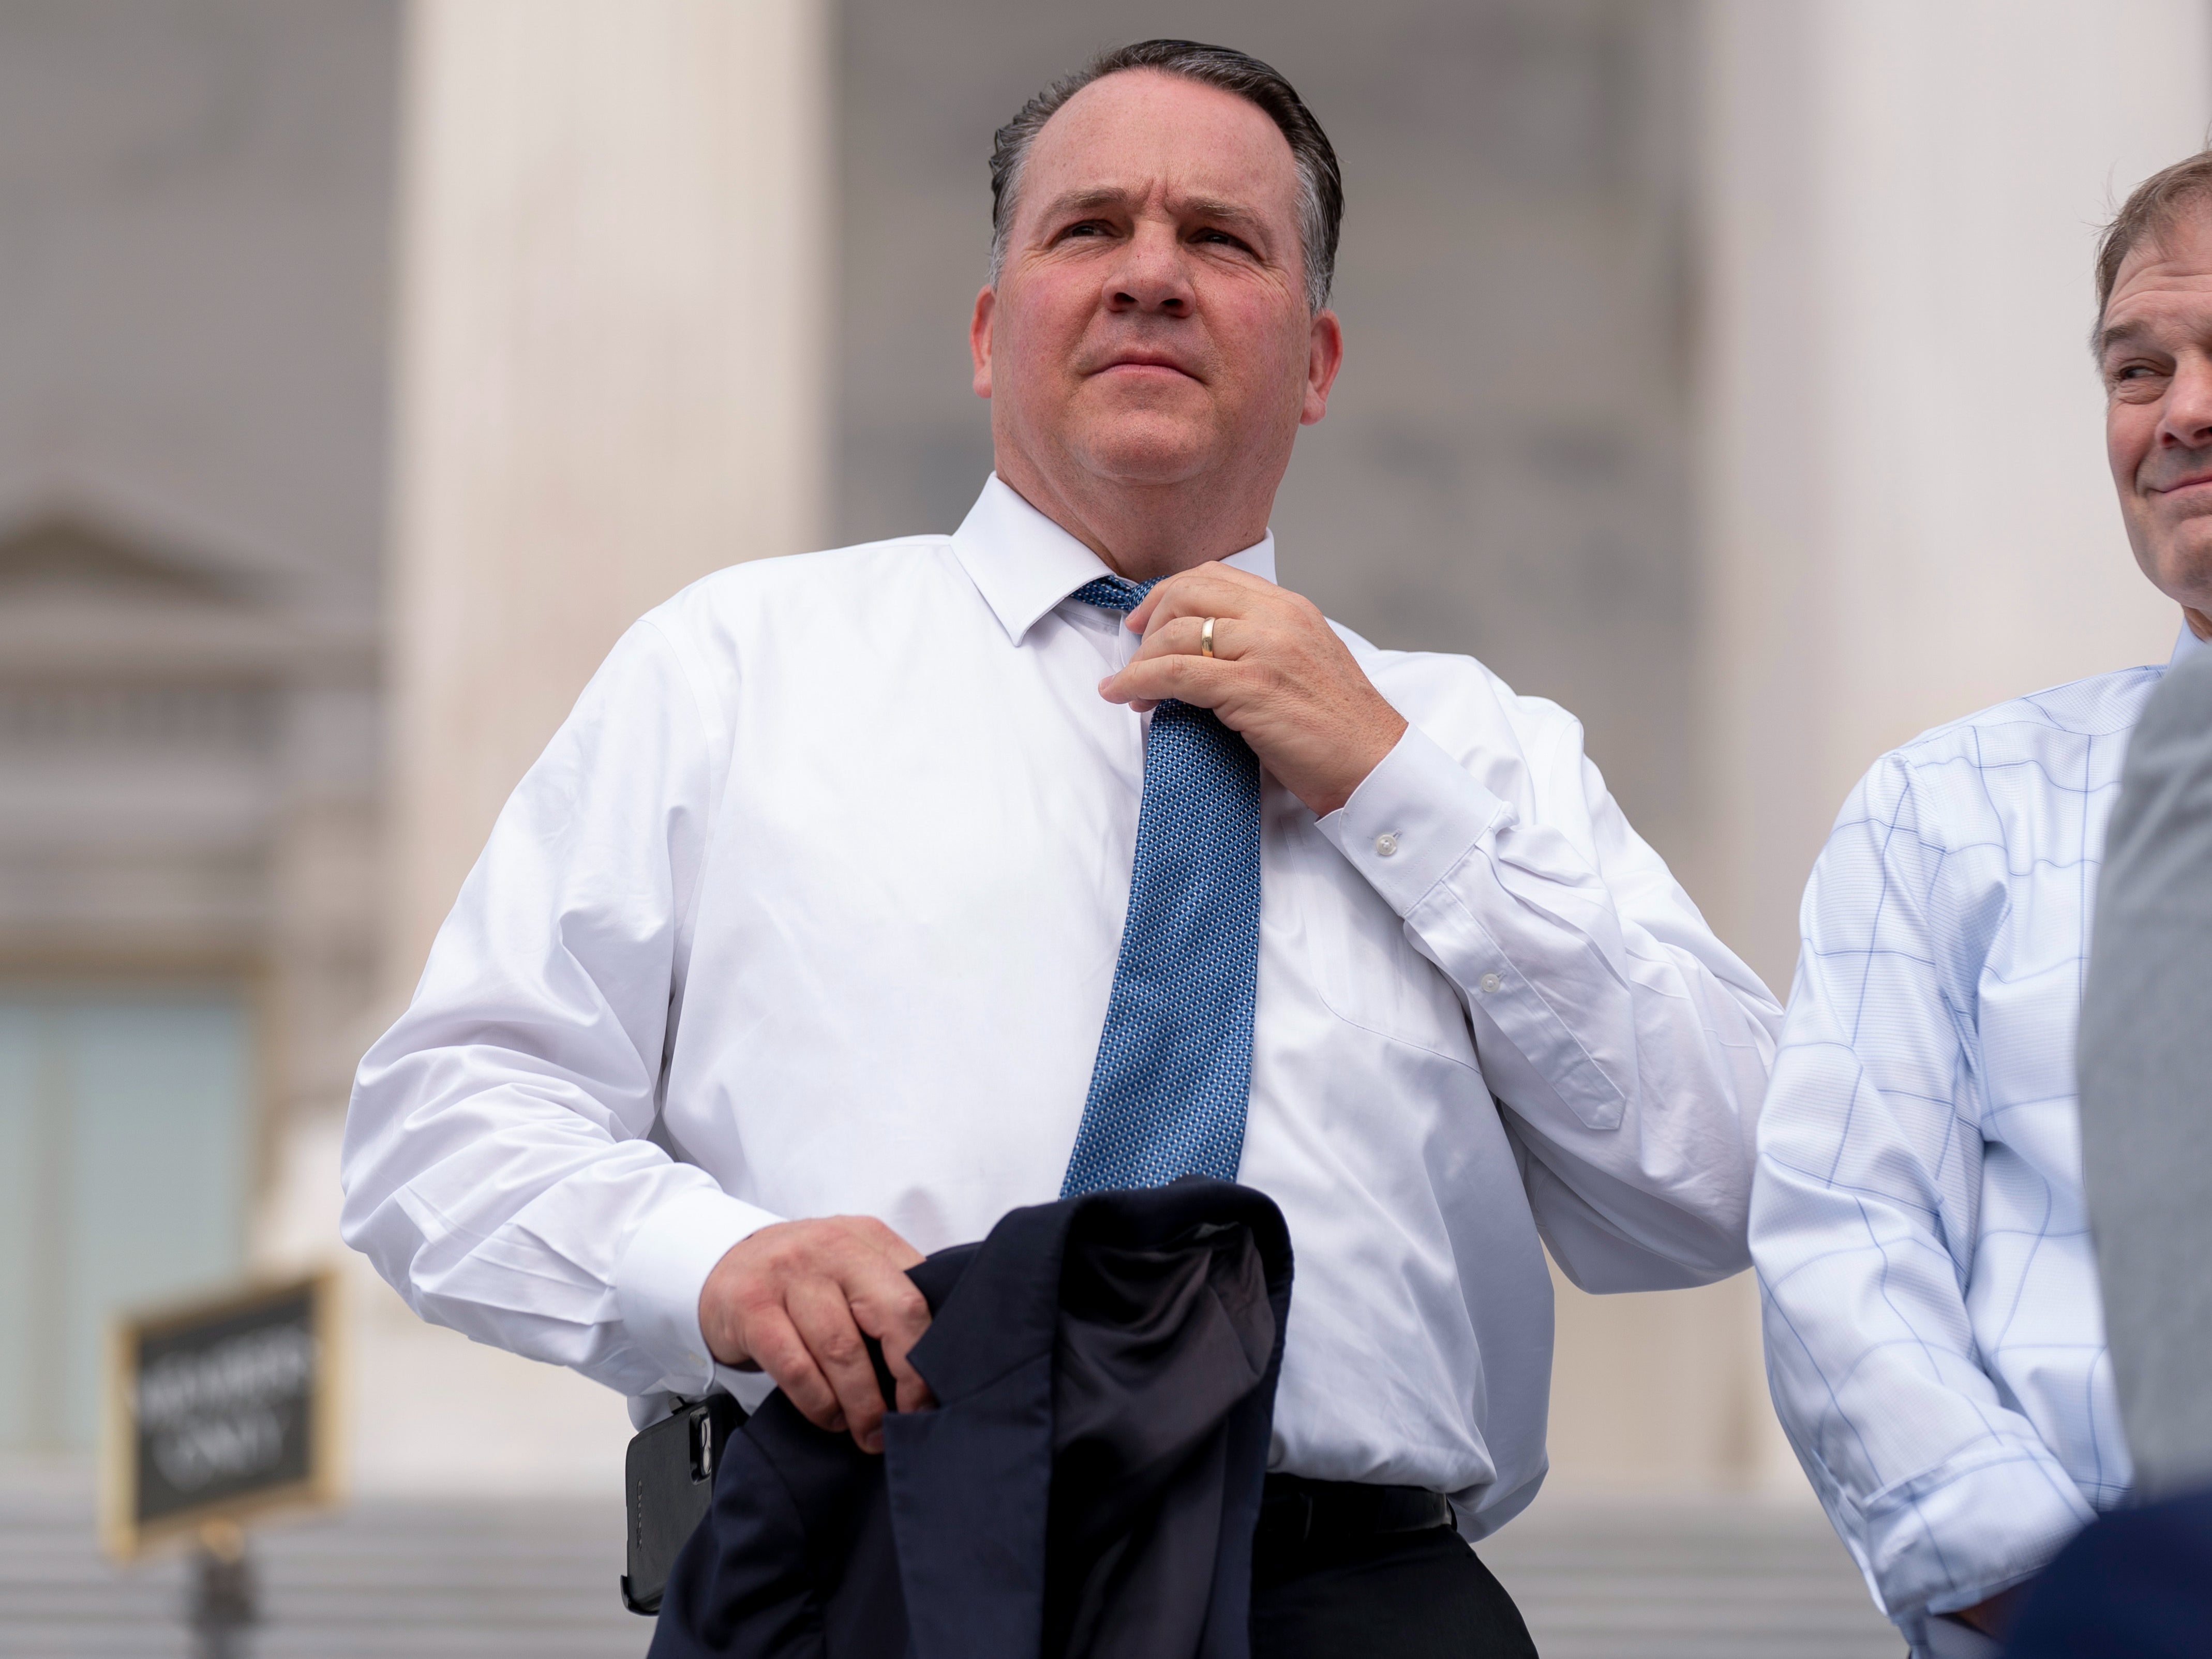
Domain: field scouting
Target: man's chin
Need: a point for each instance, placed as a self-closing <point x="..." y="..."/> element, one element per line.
<point x="2180" y="558"/>
<point x="1148" y="451"/>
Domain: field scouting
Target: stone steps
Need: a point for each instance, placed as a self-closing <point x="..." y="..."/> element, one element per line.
<point x="1707" y="1579"/>
<point x="384" y="1579"/>
<point x="380" y="1580"/>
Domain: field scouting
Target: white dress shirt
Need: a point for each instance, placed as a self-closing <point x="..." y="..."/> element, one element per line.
<point x="1934" y="1336"/>
<point x="813" y="907"/>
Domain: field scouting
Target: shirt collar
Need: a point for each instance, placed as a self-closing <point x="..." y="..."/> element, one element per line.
<point x="2186" y="647"/>
<point x="1023" y="564"/>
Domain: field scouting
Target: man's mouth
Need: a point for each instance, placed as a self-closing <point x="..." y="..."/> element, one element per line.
<point x="1144" y="362"/>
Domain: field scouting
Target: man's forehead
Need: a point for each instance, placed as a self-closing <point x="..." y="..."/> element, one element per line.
<point x="2170" y="270"/>
<point x="1143" y="132"/>
<point x="1135" y="193"/>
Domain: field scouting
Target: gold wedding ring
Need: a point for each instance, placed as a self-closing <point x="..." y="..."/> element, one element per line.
<point x="1206" y="637"/>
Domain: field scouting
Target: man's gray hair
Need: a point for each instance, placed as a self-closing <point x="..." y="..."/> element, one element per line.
<point x="2152" y="211"/>
<point x="1320" y="182"/>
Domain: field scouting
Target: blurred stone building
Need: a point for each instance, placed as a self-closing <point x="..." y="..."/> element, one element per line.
<point x="195" y="247"/>
<point x="365" y="369"/>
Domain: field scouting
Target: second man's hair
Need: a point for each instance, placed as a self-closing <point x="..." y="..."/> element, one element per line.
<point x="2149" y="213"/>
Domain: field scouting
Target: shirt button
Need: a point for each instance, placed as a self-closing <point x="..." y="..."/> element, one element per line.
<point x="1491" y="982"/>
<point x="1385" y="844"/>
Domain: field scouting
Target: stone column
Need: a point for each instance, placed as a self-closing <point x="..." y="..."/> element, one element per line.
<point x="611" y="380"/>
<point x="1906" y="514"/>
<point x="612" y="361"/>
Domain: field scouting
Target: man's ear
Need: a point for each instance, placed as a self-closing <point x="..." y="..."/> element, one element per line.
<point x="979" y="340"/>
<point x="1324" y="357"/>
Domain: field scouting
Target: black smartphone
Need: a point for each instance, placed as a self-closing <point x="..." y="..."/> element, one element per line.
<point x="669" y="1482"/>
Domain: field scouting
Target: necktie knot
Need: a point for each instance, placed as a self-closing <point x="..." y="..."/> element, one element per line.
<point x="1113" y="592"/>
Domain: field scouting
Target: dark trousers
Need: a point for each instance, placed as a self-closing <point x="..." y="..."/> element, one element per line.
<point x="1408" y="1595"/>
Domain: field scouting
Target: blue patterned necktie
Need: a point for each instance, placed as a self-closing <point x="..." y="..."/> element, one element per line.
<point x="1168" y="1089"/>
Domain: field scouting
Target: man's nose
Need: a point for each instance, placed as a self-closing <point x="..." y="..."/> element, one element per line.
<point x="1152" y="275"/>
<point x="2186" y="420"/>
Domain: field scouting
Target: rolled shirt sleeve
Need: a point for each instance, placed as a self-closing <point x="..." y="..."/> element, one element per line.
<point x="1628" y="1046"/>
<point x="499" y="1166"/>
<point x="1865" y="1218"/>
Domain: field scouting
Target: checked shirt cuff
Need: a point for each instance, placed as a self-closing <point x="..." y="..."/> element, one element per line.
<point x="1973" y="1525"/>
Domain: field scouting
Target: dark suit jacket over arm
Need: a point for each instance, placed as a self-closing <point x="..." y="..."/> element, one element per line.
<point x="1105" y="1372"/>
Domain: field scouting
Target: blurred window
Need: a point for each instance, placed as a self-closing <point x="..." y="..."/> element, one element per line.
<point x="126" y="1129"/>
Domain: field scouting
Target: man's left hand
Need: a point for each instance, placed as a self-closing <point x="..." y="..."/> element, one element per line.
<point x="1994" y="1617"/>
<point x="1278" y="676"/>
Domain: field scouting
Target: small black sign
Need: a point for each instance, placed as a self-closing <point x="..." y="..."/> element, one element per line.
<point x="222" y="1410"/>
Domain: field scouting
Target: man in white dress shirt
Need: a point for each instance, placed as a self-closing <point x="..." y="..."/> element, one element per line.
<point x="1934" y="1336"/>
<point x="789" y="960"/>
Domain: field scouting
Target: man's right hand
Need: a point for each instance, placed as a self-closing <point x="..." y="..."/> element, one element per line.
<point x="795" y="1299"/>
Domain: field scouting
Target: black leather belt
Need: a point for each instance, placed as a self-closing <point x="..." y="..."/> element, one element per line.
<point x="1294" y="1510"/>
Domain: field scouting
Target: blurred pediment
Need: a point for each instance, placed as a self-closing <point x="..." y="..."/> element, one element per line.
<point x="83" y="596"/>
<point x="65" y="556"/>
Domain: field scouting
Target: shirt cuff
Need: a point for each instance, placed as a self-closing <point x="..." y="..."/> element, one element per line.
<point x="1412" y="820"/>
<point x="658" y="1281"/>
<point x="1972" y="1525"/>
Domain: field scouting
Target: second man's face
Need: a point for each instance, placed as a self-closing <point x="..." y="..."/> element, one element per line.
<point x="2155" y="358"/>
<point x="1149" y="325"/>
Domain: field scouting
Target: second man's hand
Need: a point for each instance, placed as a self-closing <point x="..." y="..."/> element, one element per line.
<point x="795" y="1299"/>
<point x="1279" y="676"/>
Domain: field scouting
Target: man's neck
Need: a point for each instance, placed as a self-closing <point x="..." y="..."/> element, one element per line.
<point x="2197" y="622"/>
<point x="1144" y="532"/>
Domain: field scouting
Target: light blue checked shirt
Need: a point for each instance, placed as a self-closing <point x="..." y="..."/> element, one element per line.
<point x="1935" y="1339"/>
